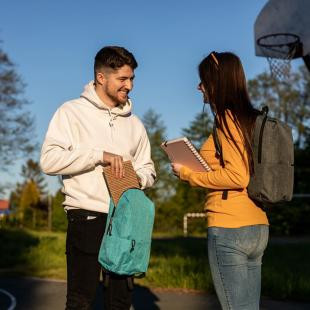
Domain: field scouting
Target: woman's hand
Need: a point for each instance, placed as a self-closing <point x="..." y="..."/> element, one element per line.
<point x="176" y="169"/>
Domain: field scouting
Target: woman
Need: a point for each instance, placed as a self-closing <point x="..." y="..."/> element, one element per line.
<point x="237" y="227"/>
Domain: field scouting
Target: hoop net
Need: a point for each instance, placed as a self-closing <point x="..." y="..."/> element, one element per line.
<point x="279" y="49"/>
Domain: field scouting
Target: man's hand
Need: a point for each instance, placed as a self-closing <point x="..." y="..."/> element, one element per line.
<point x="176" y="169"/>
<point x="116" y="162"/>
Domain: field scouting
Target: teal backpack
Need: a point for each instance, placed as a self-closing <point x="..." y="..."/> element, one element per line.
<point x="126" y="244"/>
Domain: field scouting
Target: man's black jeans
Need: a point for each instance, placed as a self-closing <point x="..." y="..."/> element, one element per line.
<point x="84" y="234"/>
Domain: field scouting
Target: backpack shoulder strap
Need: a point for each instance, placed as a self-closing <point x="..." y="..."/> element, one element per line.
<point x="264" y="113"/>
<point x="219" y="152"/>
<point x="218" y="146"/>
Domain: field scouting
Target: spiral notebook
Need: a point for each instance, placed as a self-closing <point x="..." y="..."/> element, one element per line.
<point x="116" y="186"/>
<point x="183" y="152"/>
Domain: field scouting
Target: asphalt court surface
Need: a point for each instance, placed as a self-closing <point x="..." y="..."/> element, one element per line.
<point x="38" y="294"/>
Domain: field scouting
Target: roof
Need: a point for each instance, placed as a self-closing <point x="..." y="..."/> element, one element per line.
<point x="4" y="204"/>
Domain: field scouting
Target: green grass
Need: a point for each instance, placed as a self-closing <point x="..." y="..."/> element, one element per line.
<point x="175" y="263"/>
<point x="29" y="253"/>
<point x="183" y="263"/>
<point x="286" y="272"/>
<point x="179" y="263"/>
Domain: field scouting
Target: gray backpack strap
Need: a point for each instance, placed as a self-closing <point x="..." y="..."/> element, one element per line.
<point x="219" y="152"/>
<point x="264" y="112"/>
<point x="218" y="146"/>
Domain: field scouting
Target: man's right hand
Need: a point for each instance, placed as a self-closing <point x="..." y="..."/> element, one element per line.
<point x="116" y="162"/>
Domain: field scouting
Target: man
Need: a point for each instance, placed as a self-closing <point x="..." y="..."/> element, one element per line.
<point x="85" y="134"/>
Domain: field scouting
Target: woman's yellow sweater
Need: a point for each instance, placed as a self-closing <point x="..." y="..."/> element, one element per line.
<point x="238" y="210"/>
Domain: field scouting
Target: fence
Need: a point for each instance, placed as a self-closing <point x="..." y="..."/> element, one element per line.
<point x="200" y="215"/>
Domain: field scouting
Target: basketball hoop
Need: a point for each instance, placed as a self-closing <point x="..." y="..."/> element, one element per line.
<point x="280" y="49"/>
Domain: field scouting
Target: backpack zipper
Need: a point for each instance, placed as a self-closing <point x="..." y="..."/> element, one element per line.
<point x="133" y="244"/>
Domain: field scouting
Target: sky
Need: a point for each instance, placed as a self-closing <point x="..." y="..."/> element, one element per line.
<point x="53" y="44"/>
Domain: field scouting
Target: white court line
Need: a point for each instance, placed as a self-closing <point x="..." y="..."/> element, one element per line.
<point x="12" y="298"/>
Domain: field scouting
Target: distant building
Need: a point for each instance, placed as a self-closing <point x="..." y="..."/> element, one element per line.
<point x="4" y="208"/>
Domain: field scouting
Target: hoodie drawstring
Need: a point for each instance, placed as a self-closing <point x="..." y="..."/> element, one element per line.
<point x="112" y="118"/>
<point x="111" y="124"/>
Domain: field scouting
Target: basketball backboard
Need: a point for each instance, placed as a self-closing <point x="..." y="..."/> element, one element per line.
<point x="283" y="22"/>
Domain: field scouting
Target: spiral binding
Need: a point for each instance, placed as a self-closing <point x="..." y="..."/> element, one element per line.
<point x="197" y="155"/>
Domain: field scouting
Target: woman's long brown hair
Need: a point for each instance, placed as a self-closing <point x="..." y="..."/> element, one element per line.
<point x="224" y="81"/>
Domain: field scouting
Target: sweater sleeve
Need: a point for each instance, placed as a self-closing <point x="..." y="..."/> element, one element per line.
<point x="143" y="163"/>
<point x="59" y="156"/>
<point x="235" y="174"/>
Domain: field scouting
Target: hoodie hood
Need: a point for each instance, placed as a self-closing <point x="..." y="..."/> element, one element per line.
<point x="90" y="95"/>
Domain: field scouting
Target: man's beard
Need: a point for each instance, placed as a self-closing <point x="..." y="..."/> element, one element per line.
<point x="115" y="99"/>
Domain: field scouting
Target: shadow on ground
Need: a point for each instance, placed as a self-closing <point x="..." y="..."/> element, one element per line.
<point x="143" y="299"/>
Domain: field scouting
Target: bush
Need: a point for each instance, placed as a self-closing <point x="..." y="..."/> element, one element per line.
<point x="292" y="218"/>
<point x="59" y="220"/>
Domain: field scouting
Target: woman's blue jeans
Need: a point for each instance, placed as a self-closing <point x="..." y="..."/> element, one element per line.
<point x="235" y="257"/>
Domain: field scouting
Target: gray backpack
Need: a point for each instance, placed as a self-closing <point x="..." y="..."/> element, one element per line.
<point x="273" y="148"/>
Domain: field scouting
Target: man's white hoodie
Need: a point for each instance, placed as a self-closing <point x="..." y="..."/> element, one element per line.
<point x="78" y="134"/>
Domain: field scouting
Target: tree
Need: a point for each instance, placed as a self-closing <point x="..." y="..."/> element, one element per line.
<point x="29" y="200"/>
<point x="301" y="112"/>
<point x="199" y="129"/>
<point x="3" y="188"/>
<point x="59" y="220"/>
<point x="288" y="101"/>
<point x="15" y="198"/>
<point x="186" y="198"/>
<point x="156" y="130"/>
<point x="16" y="124"/>
<point x="28" y="196"/>
<point x="31" y="171"/>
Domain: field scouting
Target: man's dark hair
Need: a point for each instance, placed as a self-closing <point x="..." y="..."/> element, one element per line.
<point x="114" y="57"/>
